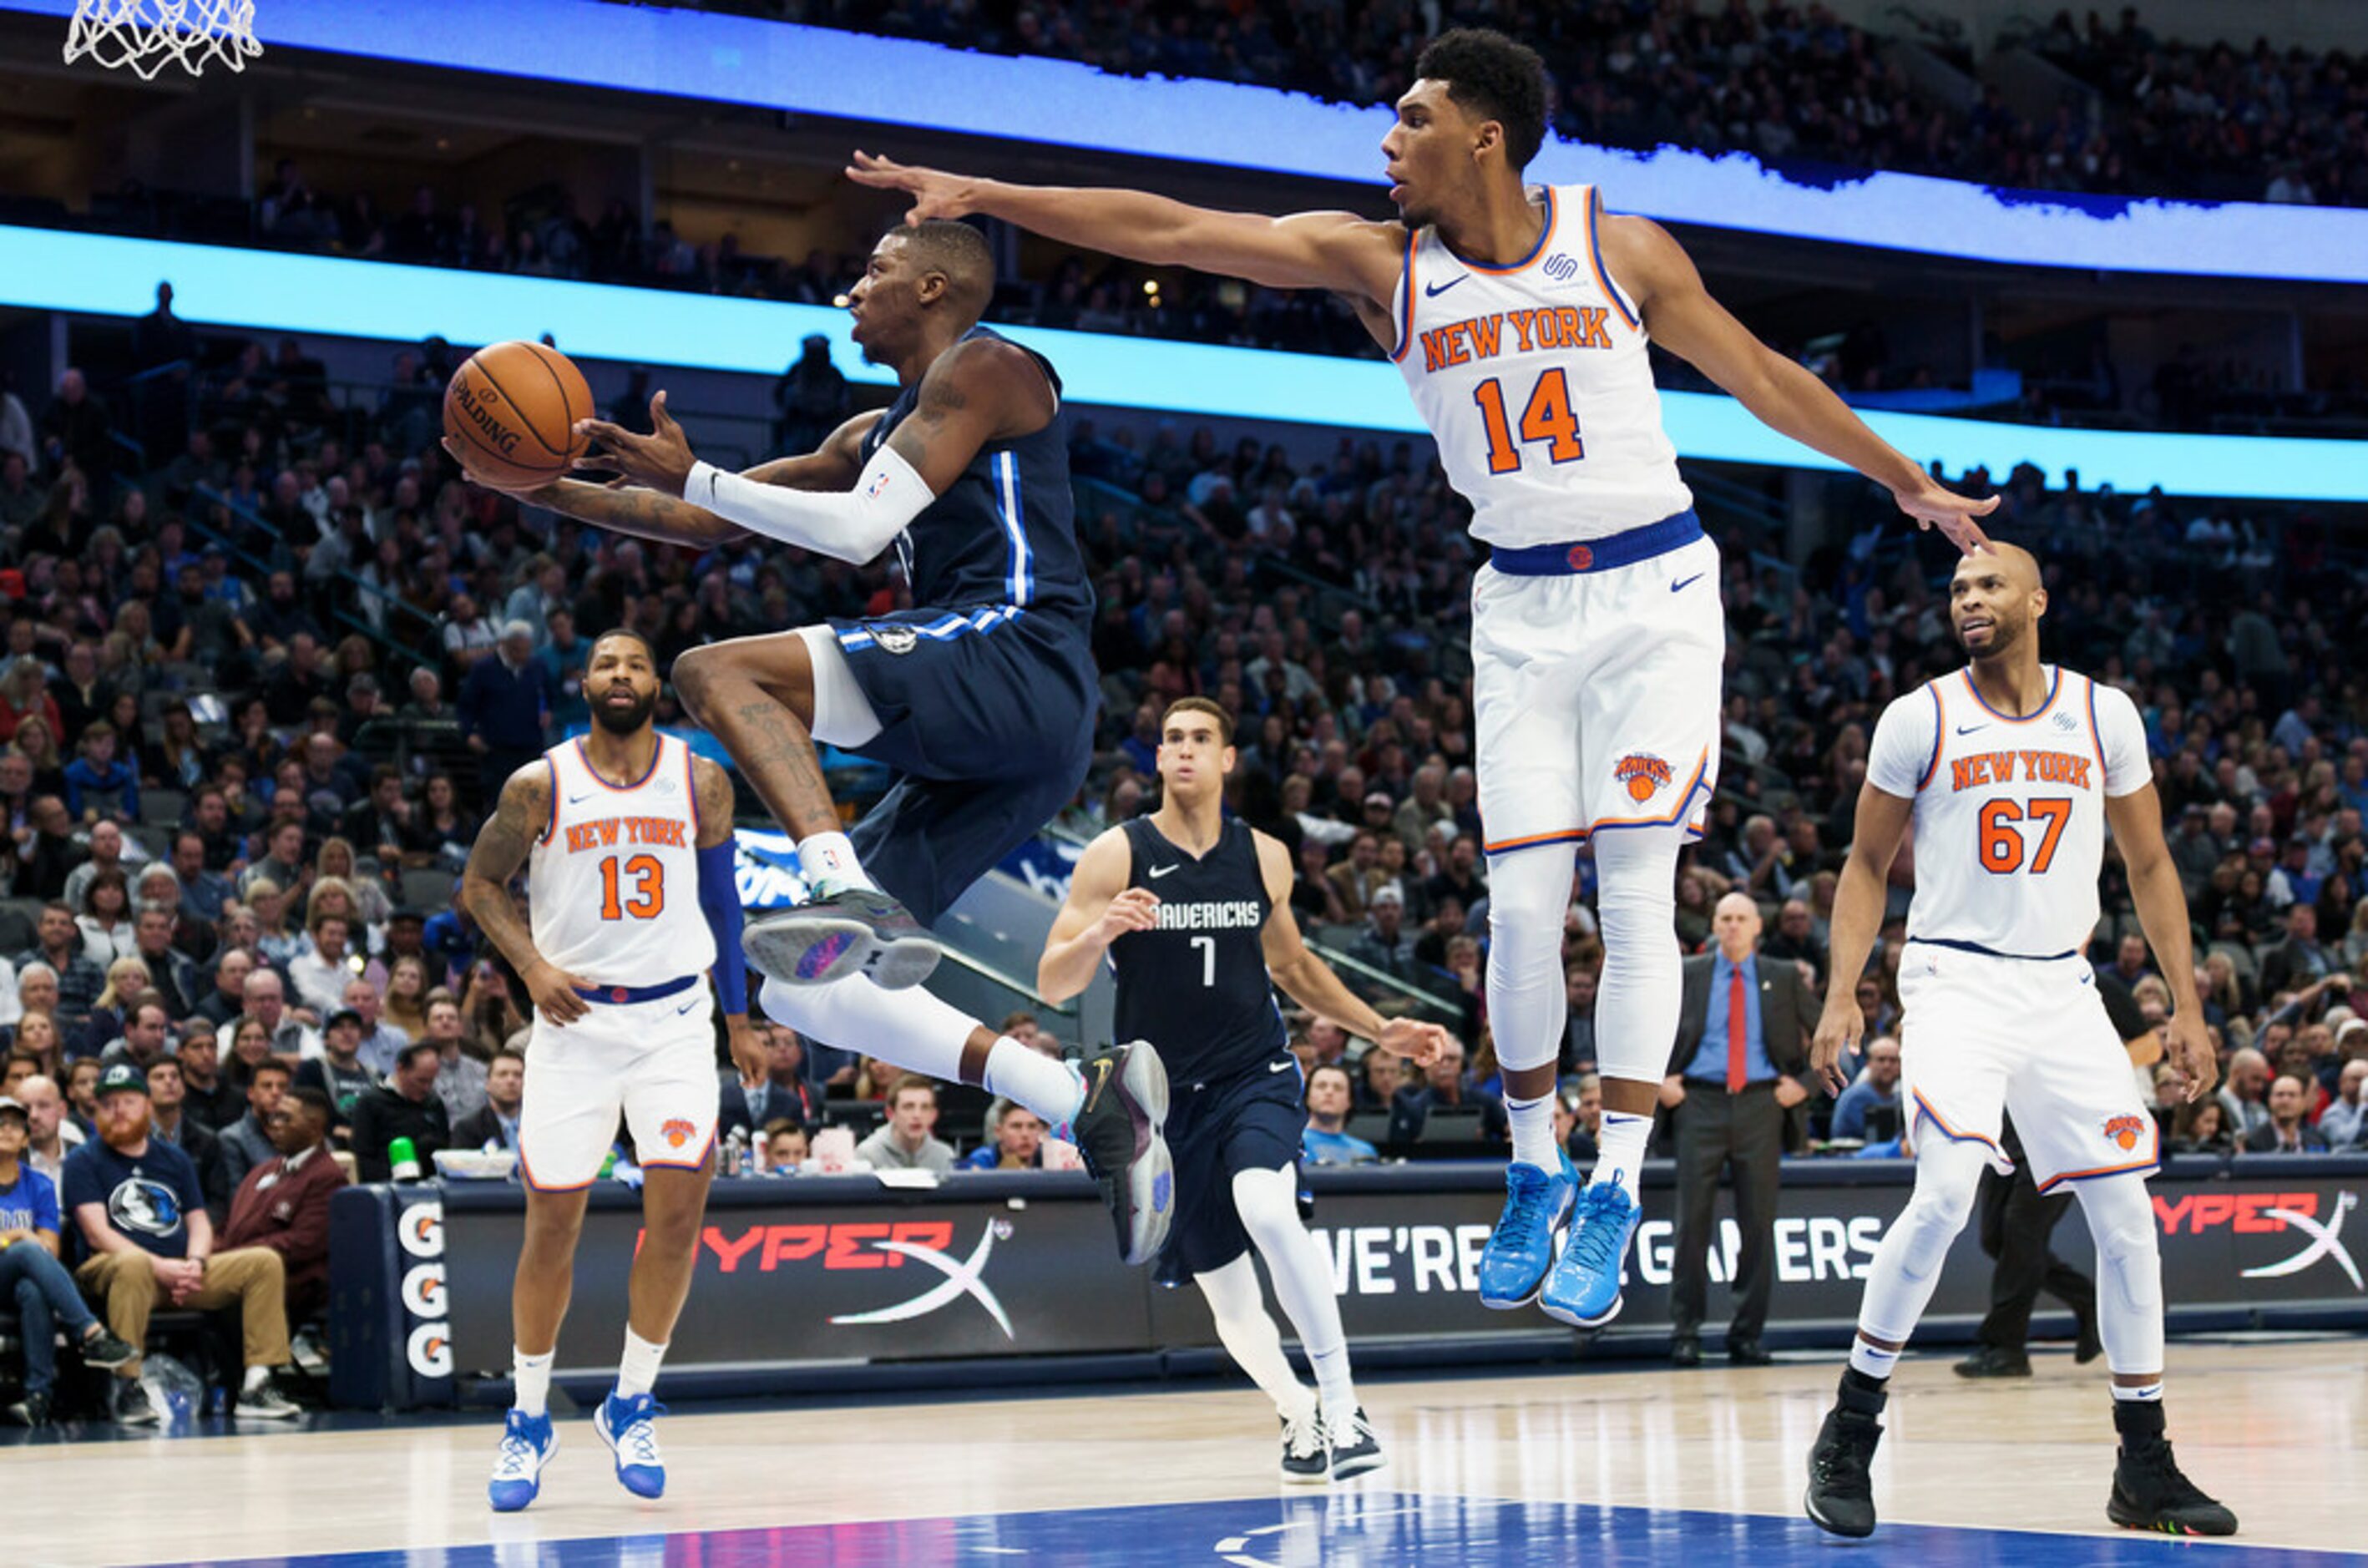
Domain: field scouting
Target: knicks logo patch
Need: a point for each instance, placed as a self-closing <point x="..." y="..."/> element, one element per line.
<point x="1580" y="558"/>
<point x="2124" y="1131"/>
<point x="1645" y="774"/>
<point x="677" y="1133"/>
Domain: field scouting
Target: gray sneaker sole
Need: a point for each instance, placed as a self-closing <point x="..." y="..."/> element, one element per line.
<point x="1148" y="1183"/>
<point x="800" y="949"/>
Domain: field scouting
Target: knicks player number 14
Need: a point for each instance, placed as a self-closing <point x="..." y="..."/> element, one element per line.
<point x="1546" y="417"/>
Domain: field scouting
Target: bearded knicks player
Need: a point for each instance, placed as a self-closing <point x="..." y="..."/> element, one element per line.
<point x="2011" y="770"/>
<point x="1520" y="317"/>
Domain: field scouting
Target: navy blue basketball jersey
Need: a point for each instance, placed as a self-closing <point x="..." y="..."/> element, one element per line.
<point x="1005" y="534"/>
<point x="1196" y="986"/>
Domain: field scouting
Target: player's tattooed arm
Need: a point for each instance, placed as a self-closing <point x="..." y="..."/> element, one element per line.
<point x="521" y="817"/>
<point x="716" y="802"/>
<point x="979" y="390"/>
<point x="630" y="509"/>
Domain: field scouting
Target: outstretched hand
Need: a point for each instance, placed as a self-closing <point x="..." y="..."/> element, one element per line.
<point x="662" y="460"/>
<point x="1935" y="506"/>
<point x="935" y="193"/>
<point x="1418" y="1042"/>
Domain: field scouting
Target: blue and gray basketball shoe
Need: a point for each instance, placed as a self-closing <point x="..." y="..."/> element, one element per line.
<point x="1520" y="1249"/>
<point x="1584" y="1289"/>
<point x="629" y="1428"/>
<point x="843" y="931"/>
<point x="528" y="1443"/>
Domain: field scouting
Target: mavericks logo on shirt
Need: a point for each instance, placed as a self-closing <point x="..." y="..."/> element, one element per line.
<point x="140" y="1206"/>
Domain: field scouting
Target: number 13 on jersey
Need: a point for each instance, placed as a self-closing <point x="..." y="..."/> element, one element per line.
<point x="1546" y="419"/>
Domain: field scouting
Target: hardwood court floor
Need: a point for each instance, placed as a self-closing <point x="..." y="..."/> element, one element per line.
<point x="2276" y="1429"/>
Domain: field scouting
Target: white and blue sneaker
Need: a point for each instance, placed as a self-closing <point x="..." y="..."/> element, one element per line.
<point x="629" y="1428"/>
<point x="1520" y="1249"/>
<point x="528" y="1443"/>
<point x="1584" y="1289"/>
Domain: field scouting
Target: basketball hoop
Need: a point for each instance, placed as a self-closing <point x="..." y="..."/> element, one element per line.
<point x="148" y="35"/>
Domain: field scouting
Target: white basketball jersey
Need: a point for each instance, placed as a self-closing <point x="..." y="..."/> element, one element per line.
<point x="1535" y="381"/>
<point x="2010" y="813"/>
<point x="612" y="886"/>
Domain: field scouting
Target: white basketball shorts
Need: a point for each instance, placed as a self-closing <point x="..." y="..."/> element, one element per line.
<point x="1595" y="696"/>
<point x="651" y="1063"/>
<point x="1980" y="1035"/>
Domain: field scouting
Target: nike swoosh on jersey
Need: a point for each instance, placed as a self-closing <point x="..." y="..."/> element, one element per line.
<point x="685" y="1007"/>
<point x="577" y="799"/>
<point x="1432" y="291"/>
<point x="1682" y="584"/>
<point x="1969" y="729"/>
<point x="1280" y="1066"/>
<point x="1158" y="871"/>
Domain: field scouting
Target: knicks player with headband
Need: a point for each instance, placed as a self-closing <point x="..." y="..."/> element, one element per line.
<point x="631" y="902"/>
<point x="2011" y="770"/>
<point x="1521" y="316"/>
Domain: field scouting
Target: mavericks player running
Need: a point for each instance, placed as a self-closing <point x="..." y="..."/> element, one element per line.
<point x="1194" y="914"/>
<point x="627" y="842"/>
<point x="1520" y="317"/>
<point x="2011" y="770"/>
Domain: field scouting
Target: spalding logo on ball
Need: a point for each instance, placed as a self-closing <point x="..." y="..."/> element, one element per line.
<point x="514" y="407"/>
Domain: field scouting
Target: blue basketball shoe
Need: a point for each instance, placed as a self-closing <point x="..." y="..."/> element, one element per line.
<point x="1520" y="1249"/>
<point x="629" y="1428"/>
<point x="1584" y="1289"/>
<point x="528" y="1443"/>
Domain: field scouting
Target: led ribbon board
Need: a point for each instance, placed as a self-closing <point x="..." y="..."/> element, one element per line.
<point x="902" y="82"/>
<point x="274" y="292"/>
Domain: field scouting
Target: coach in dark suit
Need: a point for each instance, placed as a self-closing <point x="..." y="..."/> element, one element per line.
<point x="1742" y="1051"/>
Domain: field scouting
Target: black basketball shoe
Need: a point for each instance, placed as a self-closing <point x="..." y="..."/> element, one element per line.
<point x="1305" y="1461"/>
<point x="2149" y="1491"/>
<point x="1841" y="1487"/>
<point x="1355" y="1449"/>
<point x="1118" y="1130"/>
<point x="844" y="931"/>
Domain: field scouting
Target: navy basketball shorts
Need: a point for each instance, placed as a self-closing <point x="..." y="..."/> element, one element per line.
<point x="1249" y="1120"/>
<point x="986" y="719"/>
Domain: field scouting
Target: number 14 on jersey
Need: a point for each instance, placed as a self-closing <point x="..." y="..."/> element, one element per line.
<point x="1546" y="420"/>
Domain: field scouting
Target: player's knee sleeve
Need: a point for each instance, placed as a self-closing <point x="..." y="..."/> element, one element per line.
<point x="1948" y="1177"/>
<point x="2129" y="1270"/>
<point x="1638" y="999"/>
<point x="1528" y="893"/>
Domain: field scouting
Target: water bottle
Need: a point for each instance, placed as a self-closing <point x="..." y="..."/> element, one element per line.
<point x="403" y="1160"/>
<point x="760" y="1156"/>
<point x="732" y="1159"/>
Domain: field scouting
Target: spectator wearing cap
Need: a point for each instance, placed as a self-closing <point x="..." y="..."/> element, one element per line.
<point x="1385" y="944"/>
<point x="35" y="1281"/>
<point x="494" y="1124"/>
<point x="169" y="1121"/>
<point x="2291" y="880"/>
<point x="2300" y="960"/>
<point x="141" y="1214"/>
<point x="365" y="703"/>
<point x="503" y="701"/>
<point x="406" y="1106"/>
<point x="283" y="1204"/>
<point x="246" y="1142"/>
<point x="339" y="1072"/>
<point x="58" y="947"/>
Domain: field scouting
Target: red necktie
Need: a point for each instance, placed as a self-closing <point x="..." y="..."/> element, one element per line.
<point x="1738" y="1029"/>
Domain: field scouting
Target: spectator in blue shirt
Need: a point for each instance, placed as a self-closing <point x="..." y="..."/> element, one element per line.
<point x="501" y="704"/>
<point x="1330" y="1092"/>
<point x="562" y="661"/>
<point x="1877" y="1089"/>
<point x="35" y="1281"/>
<point x="98" y="784"/>
<point x="1019" y="1141"/>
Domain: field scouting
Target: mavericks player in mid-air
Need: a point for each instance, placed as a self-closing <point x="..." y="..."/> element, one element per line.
<point x="1192" y="909"/>
<point x="983" y="704"/>
<point x="627" y="841"/>
<point x="1520" y="317"/>
<point x="2011" y="770"/>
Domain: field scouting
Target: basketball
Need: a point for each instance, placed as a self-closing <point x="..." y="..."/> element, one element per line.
<point x="514" y="406"/>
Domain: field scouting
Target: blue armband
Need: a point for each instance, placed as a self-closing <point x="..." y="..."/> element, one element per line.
<point x="719" y="900"/>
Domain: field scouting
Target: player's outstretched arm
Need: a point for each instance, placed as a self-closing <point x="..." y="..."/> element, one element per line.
<point x="2136" y="821"/>
<point x="1858" y="919"/>
<point x="1683" y="318"/>
<point x="1313" y="984"/>
<point x="503" y="844"/>
<point x="719" y="902"/>
<point x="1338" y="251"/>
<point x="1100" y="909"/>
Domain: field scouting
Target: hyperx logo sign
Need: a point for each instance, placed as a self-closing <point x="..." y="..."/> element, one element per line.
<point x="961" y="1280"/>
<point x="2322" y="1244"/>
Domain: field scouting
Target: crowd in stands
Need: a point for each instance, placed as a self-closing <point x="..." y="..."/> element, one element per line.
<point x="260" y="674"/>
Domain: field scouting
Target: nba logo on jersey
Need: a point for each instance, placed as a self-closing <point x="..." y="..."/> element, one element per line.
<point x="2124" y="1131"/>
<point x="1643" y="773"/>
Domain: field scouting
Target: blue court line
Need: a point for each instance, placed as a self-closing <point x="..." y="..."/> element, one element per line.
<point x="1372" y="1528"/>
<point x="902" y="82"/>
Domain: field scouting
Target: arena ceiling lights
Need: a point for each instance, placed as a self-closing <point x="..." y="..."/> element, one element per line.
<point x="901" y="82"/>
<point x="272" y="291"/>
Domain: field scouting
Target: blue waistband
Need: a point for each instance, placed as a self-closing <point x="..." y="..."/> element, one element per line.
<point x="618" y="995"/>
<point x="1601" y="554"/>
<point x="1993" y="952"/>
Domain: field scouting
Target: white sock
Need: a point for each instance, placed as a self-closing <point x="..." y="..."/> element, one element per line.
<point x="1621" y="1142"/>
<point x="830" y="857"/>
<point x="255" y="1378"/>
<point x="637" y="1371"/>
<point x="1045" y="1085"/>
<point x="2150" y="1394"/>
<point x="1533" y="1139"/>
<point x="1250" y="1338"/>
<point x="530" y="1381"/>
<point x="1873" y="1362"/>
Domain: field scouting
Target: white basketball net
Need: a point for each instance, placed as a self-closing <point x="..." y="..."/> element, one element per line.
<point x="148" y="35"/>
